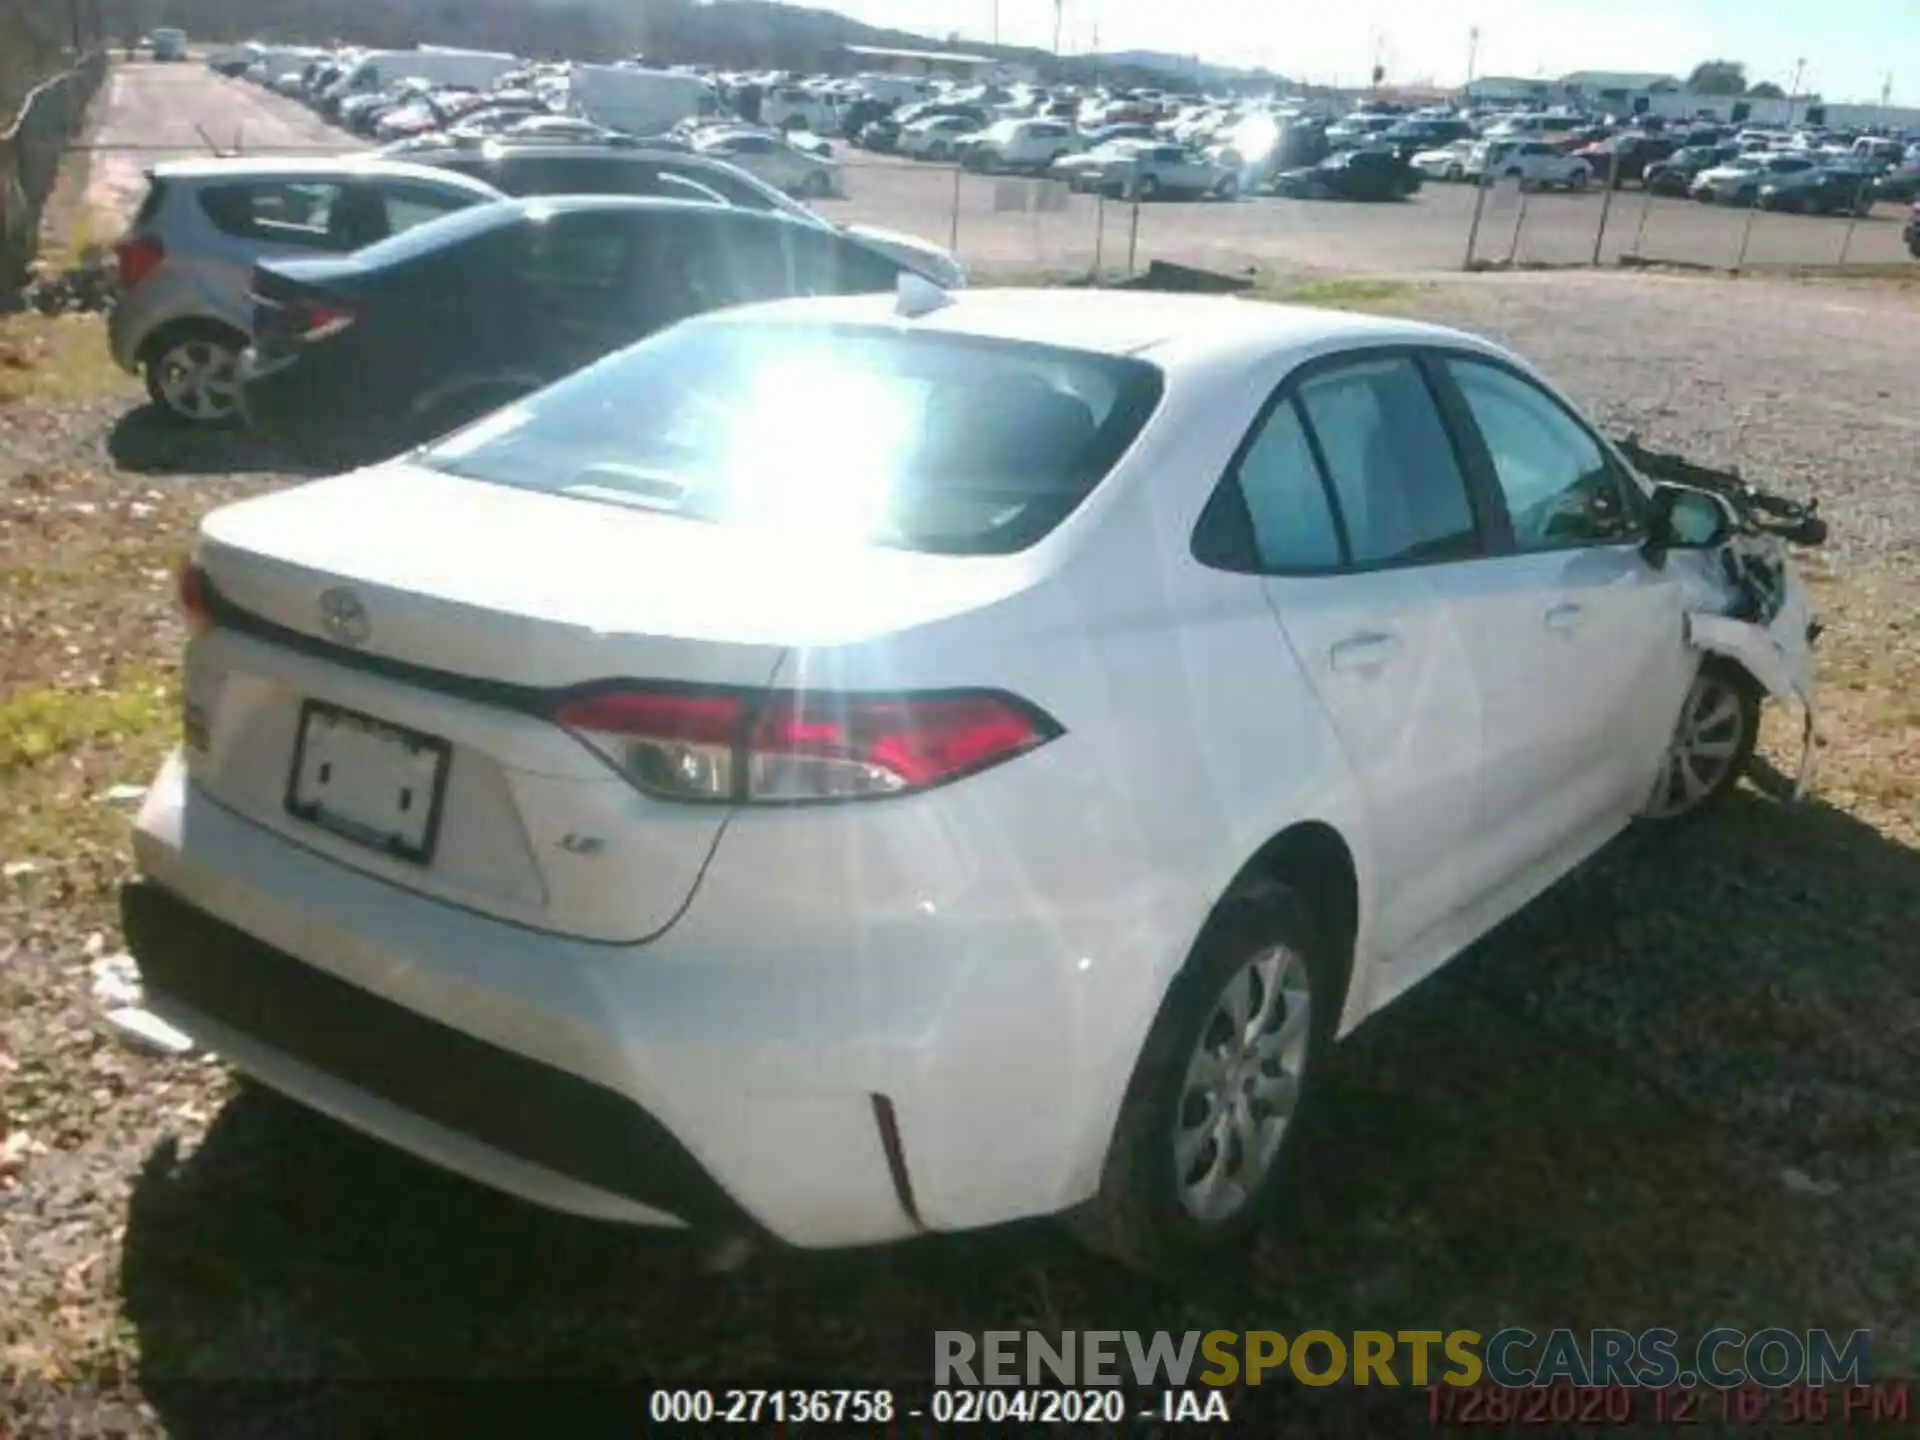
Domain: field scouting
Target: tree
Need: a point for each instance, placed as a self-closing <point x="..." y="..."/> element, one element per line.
<point x="1766" y="90"/>
<point x="1718" y="77"/>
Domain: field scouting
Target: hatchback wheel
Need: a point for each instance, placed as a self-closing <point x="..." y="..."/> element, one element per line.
<point x="815" y="184"/>
<point x="1218" y="1085"/>
<point x="1711" y="745"/>
<point x="195" y="376"/>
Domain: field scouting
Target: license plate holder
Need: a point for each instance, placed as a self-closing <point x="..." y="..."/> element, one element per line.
<point x="369" y="781"/>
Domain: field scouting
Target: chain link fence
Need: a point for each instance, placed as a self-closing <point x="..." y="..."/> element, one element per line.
<point x="30" y="151"/>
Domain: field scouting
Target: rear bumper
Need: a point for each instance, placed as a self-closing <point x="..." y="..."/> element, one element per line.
<point x="738" y="1064"/>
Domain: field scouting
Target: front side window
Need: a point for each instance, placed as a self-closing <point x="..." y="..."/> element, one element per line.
<point x="1559" y="487"/>
<point x="1399" y="487"/>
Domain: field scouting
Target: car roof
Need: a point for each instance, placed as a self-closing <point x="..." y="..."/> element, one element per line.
<point x="543" y="205"/>
<point x="1168" y="328"/>
<point x="317" y="167"/>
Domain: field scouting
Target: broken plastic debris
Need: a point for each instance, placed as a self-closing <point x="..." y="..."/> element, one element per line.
<point x="143" y="1027"/>
<point x="116" y="981"/>
<point x="14" y="869"/>
<point x="125" y="794"/>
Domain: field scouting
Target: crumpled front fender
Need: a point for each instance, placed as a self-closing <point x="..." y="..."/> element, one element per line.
<point x="1778" y="655"/>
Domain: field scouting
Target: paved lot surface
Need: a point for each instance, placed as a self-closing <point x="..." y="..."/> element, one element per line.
<point x="999" y="225"/>
<point x="148" y="113"/>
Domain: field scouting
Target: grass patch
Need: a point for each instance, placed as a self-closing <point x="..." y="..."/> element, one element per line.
<point x="57" y="357"/>
<point x="48" y="721"/>
<point x="1368" y="296"/>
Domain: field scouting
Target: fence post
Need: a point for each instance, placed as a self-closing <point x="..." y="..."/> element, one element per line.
<point x="1519" y="224"/>
<point x="1099" y="234"/>
<point x="1606" y="204"/>
<point x="1646" y="209"/>
<point x="953" y="232"/>
<point x="1473" y="230"/>
<point x="1853" y="220"/>
<point x="1746" y="235"/>
<point x="1133" y="238"/>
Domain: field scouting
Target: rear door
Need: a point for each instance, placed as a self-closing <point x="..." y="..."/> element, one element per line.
<point x="1360" y="512"/>
<point x="1576" y="642"/>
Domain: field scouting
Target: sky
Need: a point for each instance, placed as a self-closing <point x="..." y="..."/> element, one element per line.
<point x="1849" y="46"/>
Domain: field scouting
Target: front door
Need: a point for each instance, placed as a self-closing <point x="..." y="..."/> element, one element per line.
<point x="1576" y="641"/>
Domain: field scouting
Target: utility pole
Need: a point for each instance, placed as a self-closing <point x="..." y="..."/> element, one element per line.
<point x="73" y="13"/>
<point x="1059" y="17"/>
<point x="1473" y="55"/>
<point x="1793" y="90"/>
<point x="996" y="22"/>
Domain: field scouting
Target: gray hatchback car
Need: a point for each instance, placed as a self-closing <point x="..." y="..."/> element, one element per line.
<point x="186" y="262"/>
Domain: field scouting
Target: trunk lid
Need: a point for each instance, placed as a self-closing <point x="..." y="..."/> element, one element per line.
<point x="471" y="604"/>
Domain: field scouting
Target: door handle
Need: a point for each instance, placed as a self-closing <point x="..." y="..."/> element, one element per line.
<point x="1364" y="652"/>
<point x="1565" y="618"/>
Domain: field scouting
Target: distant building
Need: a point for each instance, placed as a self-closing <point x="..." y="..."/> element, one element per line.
<point x="1504" y="90"/>
<point x="953" y="63"/>
<point x="1621" y="92"/>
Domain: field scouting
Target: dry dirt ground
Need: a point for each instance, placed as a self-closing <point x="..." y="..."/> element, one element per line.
<point x="1684" y="1090"/>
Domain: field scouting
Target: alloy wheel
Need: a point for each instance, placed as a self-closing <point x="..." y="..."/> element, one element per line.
<point x="1706" y="746"/>
<point x="199" y="380"/>
<point x="1242" y="1084"/>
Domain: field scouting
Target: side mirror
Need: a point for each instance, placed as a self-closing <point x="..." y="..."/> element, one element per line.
<point x="1682" y="518"/>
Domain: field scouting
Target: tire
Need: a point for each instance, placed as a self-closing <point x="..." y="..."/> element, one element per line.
<point x="1144" y="188"/>
<point x="1579" y="180"/>
<point x="1722" y="711"/>
<point x="1150" y="1214"/>
<point x="1227" y="189"/>
<point x="1456" y="174"/>
<point x="940" y="150"/>
<point x="192" y="372"/>
<point x="815" y="185"/>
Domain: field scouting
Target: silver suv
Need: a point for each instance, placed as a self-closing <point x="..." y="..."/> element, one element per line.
<point x="187" y="260"/>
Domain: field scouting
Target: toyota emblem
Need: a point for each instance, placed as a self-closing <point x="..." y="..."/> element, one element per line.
<point x="343" y="617"/>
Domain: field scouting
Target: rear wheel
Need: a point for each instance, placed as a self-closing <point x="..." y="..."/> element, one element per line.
<point x="1712" y="744"/>
<point x="1224" y="1071"/>
<point x="815" y="184"/>
<point x="1145" y="187"/>
<point x="193" y="372"/>
<point x="1579" y="180"/>
<point x="1228" y="189"/>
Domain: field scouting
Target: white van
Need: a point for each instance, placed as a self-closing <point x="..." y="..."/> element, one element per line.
<point x="640" y="102"/>
<point x="380" y="70"/>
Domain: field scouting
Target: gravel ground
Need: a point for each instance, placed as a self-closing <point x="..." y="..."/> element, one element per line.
<point x="1681" y="1091"/>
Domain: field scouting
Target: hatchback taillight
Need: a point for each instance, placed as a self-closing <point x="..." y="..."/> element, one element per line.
<point x="787" y="747"/>
<point x="191" y="590"/>
<point x="138" y="258"/>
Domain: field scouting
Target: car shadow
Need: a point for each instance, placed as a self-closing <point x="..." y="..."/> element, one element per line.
<point x="147" y="441"/>
<point x="1582" y="1123"/>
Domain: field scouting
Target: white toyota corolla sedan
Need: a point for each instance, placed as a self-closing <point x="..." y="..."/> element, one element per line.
<point x="855" y="767"/>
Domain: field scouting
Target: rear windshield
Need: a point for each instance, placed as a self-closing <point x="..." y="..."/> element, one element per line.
<point x="929" y="441"/>
<point x="424" y="239"/>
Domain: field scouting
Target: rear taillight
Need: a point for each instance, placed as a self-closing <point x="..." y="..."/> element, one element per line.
<point x="138" y="257"/>
<point x="800" y="746"/>
<point x="191" y="589"/>
<point x="317" y="319"/>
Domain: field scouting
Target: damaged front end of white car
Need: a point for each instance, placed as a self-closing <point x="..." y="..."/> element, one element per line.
<point x="1751" y="612"/>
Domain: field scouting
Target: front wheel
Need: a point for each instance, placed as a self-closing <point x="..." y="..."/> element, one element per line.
<point x="1225" y="1069"/>
<point x="1228" y="189"/>
<point x="1712" y="744"/>
<point x="1578" y="180"/>
<point x="816" y="184"/>
<point x="1144" y="187"/>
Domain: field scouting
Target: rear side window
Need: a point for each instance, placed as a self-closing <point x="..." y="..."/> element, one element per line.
<point x="409" y="205"/>
<point x="285" y="212"/>
<point x="826" y="434"/>
<point x="1401" y="494"/>
<point x="1286" y="501"/>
